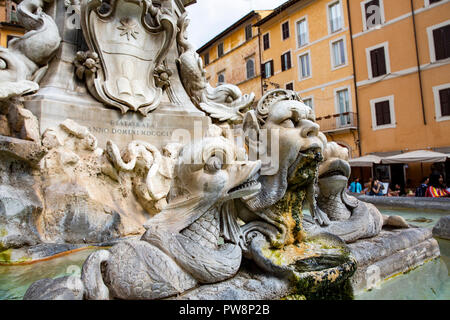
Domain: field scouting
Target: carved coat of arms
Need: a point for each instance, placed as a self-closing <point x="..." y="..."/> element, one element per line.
<point x="128" y="42"/>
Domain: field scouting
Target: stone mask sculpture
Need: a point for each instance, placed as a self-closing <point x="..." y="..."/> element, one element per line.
<point x="351" y="219"/>
<point x="24" y="63"/>
<point x="182" y="246"/>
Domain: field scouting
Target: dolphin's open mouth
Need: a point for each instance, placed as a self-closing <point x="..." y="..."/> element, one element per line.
<point x="246" y="189"/>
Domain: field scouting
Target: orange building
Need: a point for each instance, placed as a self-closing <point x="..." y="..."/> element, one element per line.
<point x="306" y="47"/>
<point x="233" y="56"/>
<point x="9" y="28"/>
<point x="402" y="72"/>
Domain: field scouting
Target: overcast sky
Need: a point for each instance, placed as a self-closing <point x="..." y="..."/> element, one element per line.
<point x="211" y="17"/>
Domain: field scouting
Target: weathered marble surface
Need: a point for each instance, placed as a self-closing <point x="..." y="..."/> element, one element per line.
<point x="442" y="228"/>
<point x="408" y="202"/>
<point x="391" y="252"/>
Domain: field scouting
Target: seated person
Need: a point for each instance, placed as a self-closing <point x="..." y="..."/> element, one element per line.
<point x="355" y="186"/>
<point x="422" y="189"/>
<point x="376" y="189"/>
<point x="435" y="187"/>
<point x="395" y="191"/>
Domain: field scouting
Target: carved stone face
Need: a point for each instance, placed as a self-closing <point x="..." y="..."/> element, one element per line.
<point x="298" y="139"/>
<point x="335" y="170"/>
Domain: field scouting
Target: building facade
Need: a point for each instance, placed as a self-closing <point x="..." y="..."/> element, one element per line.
<point x="9" y="29"/>
<point x="234" y="55"/>
<point x="306" y="47"/>
<point x="402" y="72"/>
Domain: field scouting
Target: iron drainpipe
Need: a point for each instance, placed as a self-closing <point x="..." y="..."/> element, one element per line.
<point x="354" y="77"/>
<point x="418" y="63"/>
<point x="260" y="61"/>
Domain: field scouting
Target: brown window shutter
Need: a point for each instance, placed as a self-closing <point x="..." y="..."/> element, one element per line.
<point x="444" y="96"/>
<point x="383" y="113"/>
<point x="442" y="42"/>
<point x="263" y="71"/>
<point x="283" y="64"/>
<point x="271" y="68"/>
<point x="289" y="62"/>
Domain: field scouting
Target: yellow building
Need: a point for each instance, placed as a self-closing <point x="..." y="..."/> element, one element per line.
<point x="9" y="28"/>
<point x="233" y="56"/>
<point x="306" y="47"/>
<point x="402" y="63"/>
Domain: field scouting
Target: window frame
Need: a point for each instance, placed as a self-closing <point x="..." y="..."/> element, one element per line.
<point x="246" y="67"/>
<point x="268" y="36"/>
<point x="289" y="29"/>
<point x="345" y="64"/>
<point x="221" y="73"/>
<point x="307" y="52"/>
<point x="428" y="4"/>
<point x="393" y="123"/>
<point x="336" y="103"/>
<point x="363" y="15"/>
<point x="251" y="32"/>
<point x="223" y="50"/>
<point x="386" y="60"/>
<point x="290" y="58"/>
<point x="431" y="44"/>
<point x="290" y="82"/>
<point x="272" y="69"/>
<point x="307" y="32"/>
<point x="207" y="61"/>
<point x="309" y="98"/>
<point x="329" y="4"/>
<point x="437" y="102"/>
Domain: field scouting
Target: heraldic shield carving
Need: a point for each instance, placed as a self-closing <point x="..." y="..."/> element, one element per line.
<point x="128" y="41"/>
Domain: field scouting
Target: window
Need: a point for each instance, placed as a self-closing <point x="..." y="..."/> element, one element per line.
<point x="302" y="33"/>
<point x="338" y="53"/>
<point x="305" y="67"/>
<point x="267" y="69"/>
<point x="285" y="30"/>
<point x="444" y="98"/>
<point x="286" y="61"/>
<point x="13" y="13"/>
<point x="220" y="49"/>
<point x="430" y="2"/>
<point x="441" y="37"/>
<point x="383" y="115"/>
<point x="343" y="103"/>
<point x="372" y="13"/>
<point x="335" y="16"/>
<point x="266" y="41"/>
<point x="442" y="102"/>
<point x="250" y="64"/>
<point x="248" y="32"/>
<point x="378" y="60"/>
<point x="308" y="102"/>
<point x="221" y="78"/>
<point x="206" y="57"/>
<point x="290" y="86"/>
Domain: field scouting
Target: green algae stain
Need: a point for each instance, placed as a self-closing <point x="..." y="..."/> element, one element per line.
<point x="5" y="256"/>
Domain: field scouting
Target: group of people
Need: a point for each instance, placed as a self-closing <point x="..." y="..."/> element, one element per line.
<point x="431" y="187"/>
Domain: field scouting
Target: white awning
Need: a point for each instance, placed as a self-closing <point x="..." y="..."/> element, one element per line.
<point x="366" y="161"/>
<point x="417" y="156"/>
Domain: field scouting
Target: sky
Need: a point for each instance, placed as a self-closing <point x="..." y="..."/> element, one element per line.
<point x="211" y="17"/>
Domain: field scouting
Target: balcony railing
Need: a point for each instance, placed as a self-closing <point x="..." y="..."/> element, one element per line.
<point x="338" y="122"/>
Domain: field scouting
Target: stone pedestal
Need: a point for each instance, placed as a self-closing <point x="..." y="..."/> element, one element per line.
<point x="390" y="253"/>
<point x="158" y="128"/>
